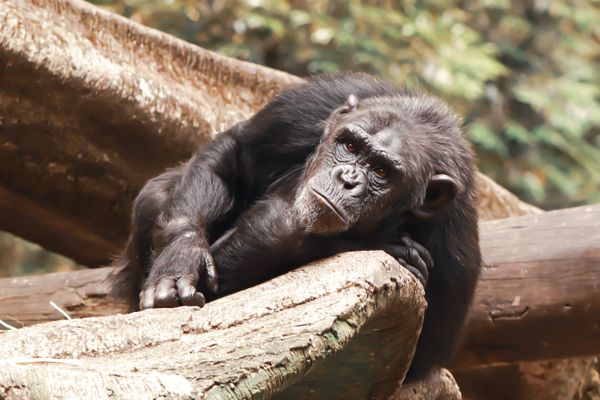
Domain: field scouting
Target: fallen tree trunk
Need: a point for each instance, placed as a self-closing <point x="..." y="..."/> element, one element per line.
<point x="299" y="341"/>
<point x="122" y="103"/>
<point x="537" y="297"/>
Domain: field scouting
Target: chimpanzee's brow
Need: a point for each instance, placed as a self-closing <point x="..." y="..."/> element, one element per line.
<point x="358" y="133"/>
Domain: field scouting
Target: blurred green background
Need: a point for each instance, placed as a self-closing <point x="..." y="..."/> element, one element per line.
<point x="524" y="74"/>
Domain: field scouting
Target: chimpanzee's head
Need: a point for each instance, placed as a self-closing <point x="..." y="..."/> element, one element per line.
<point x="380" y="158"/>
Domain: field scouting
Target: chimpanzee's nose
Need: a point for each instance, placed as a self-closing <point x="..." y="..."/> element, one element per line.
<point x="350" y="179"/>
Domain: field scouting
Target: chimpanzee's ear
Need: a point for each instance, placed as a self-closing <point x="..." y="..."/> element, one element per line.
<point x="441" y="190"/>
<point x="350" y="106"/>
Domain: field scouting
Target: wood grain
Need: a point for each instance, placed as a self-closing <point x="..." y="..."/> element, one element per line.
<point x="539" y="294"/>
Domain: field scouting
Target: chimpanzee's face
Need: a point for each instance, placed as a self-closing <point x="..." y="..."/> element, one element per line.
<point x="366" y="169"/>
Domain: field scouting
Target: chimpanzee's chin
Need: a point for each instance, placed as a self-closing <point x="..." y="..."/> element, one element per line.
<point x="316" y="215"/>
<point x="327" y="229"/>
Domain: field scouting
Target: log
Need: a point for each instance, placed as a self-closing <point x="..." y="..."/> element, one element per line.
<point x="121" y="103"/>
<point x="495" y="202"/>
<point x="561" y="379"/>
<point x="345" y="332"/>
<point x="537" y="297"/>
<point x="539" y="293"/>
<point x="96" y="292"/>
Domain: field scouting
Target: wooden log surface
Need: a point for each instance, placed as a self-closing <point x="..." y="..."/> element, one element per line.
<point x="95" y="292"/>
<point x="539" y="294"/>
<point x="327" y="330"/>
<point x="538" y="297"/>
<point x="92" y="105"/>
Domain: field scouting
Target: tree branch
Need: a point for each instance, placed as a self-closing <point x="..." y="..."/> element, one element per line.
<point x="92" y="105"/>
<point x="278" y="337"/>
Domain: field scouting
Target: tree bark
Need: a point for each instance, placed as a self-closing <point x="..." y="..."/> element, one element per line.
<point x="538" y="294"/>
<point x="554" y="379"/>
<point x="559" y="379"/>
<point x="439" y="385"/>
<point x="495" y="202"/>
<point x="86" y="293"/>
<point x="300" y="341"/>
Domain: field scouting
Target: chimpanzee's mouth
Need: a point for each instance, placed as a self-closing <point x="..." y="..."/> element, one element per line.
<point x="329" y="205"/>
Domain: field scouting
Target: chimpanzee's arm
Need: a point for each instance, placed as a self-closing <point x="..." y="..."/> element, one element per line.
<point x="204" y="193"/>
<point x="454" y="248"/>
<point x="263" y="243"/>
<point x="267" y="240"/>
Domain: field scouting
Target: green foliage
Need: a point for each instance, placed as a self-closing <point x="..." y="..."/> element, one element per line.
<point x="525" y="75"/>
<point x="18" y="257"/>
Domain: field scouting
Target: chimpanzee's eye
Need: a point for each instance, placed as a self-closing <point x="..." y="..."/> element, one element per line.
<point x="381" y="172"/>
<point x="351" y="147"/>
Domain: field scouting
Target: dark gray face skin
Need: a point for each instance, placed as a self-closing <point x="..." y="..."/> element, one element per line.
<point x="371" y="164"/>
<point x="356" y="175"/>
<point x="354" y="183"/>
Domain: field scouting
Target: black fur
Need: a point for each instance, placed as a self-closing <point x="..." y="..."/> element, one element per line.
<point x="343" y="162"/>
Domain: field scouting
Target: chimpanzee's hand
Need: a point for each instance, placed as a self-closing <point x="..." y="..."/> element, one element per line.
<point x="412" y="256"/>
<point x="174" y="277"/>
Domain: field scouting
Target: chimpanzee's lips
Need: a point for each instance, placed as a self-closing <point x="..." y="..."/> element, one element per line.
<point x="329" y="205"/>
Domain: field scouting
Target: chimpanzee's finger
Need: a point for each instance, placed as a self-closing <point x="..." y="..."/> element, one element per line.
<point x="416" y="273"/>
<point x="166" y="294"/>
<point x="212" y="278"/>
<point x="147" y="298"/>
<point x="188" y="294"/>
<point x="423" y="252"/>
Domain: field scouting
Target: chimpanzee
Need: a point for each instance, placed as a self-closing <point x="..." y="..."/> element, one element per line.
<point x="341" y="162"/>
